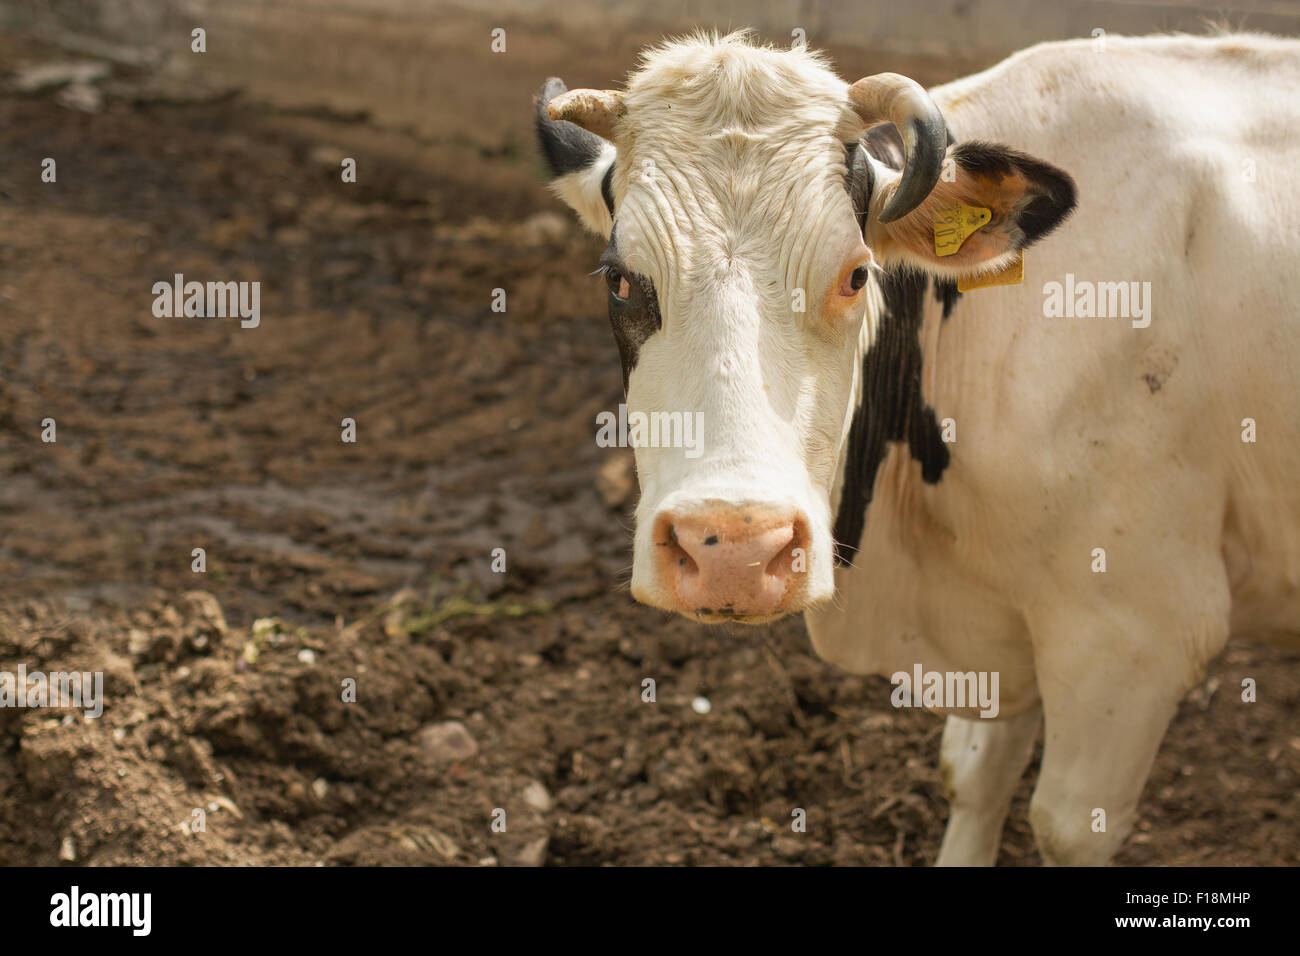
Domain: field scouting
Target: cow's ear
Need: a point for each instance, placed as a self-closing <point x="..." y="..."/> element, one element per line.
<point x="580" y="162"/>
<point x="990" y="203"/>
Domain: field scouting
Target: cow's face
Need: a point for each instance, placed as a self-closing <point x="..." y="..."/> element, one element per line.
<point x="740" y="289"/>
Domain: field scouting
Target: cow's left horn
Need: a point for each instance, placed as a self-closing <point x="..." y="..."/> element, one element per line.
<point x="596" y="111"/>
<point x="891" y="98"/>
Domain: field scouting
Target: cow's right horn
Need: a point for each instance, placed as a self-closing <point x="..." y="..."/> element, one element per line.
<point x="891" y="98"/>
<point x="596" y="111"/>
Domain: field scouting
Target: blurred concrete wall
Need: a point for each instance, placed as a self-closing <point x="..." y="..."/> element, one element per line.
<point x="425" y="65"/>
<point x="981" y="26"/>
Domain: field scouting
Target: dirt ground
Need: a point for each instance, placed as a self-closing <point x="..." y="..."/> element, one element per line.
<point x="371" y="562"/>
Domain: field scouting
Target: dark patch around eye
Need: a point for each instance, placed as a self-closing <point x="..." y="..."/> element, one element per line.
<point x="633" y="319"/>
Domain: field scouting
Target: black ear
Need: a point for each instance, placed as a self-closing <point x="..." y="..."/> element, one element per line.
<point x="567" y="148"/>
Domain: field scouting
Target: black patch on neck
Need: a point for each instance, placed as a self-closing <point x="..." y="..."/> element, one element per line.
<point x="945" y="291"/>
<point x="892" y="407"/>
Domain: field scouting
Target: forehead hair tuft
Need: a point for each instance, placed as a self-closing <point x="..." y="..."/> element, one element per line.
<point x="733" y="81"/>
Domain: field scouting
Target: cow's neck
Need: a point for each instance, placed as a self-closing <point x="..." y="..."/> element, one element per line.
<point x="891" y="406"/>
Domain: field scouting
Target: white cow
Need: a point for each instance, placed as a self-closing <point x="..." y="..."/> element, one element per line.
<point x="1079" y="486"/>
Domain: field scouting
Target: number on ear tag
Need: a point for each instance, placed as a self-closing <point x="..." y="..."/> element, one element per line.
<point x="954" y="224"/>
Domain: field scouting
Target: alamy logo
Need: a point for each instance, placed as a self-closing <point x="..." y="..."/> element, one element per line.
<point x="651" y="430"/>
<point x="211" y="300"/>
<point x="103" y="909"/>
<point x="1082" y="299"/>
<point x="55" y="689"/>
<point x="946" y="689"/>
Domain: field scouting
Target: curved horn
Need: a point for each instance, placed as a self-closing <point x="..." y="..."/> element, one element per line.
<point x="596" y="111"/>
<point x="890" y="98"/>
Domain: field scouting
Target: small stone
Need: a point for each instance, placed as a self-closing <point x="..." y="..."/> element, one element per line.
<point x="534" y="853"/>
<point x="68" y="850"/>
<point x="307" y="656"/>
<point x="320" y="786"/>
<point x="538" y="797"/>
<point x="701" y="705"/>
<point x="448" y="742"/>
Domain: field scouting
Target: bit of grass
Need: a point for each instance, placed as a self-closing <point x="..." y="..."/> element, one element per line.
<point x="461" y="604"/>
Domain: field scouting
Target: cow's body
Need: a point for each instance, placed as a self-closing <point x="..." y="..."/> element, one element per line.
<point x="1078" y="434"/>
<point x="1084" y="433"/>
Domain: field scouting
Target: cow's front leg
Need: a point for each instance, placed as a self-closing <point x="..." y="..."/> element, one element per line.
<point x="982" y="761"/>
<point x="1106" y="706"/>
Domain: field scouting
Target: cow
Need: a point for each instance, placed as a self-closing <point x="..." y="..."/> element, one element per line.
<point x="997" y="378"/>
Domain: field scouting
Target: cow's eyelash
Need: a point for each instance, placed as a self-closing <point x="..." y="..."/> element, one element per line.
<point x="606" y="267"/>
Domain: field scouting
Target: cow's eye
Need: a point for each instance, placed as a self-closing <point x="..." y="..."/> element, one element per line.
<point x="618" y="284"/>
<point x="855" y="281"/>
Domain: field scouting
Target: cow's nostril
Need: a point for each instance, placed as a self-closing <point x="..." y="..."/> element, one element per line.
<point x="676" y="553"/>
<point x="793" y="557"/>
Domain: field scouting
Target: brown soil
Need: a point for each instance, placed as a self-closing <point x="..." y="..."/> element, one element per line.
<point x="474" y="432"/>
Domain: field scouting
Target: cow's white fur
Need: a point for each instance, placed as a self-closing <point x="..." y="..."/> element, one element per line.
<point x="1072" y="434"/>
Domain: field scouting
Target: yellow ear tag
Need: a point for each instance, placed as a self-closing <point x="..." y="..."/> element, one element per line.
<point x="1013" y="274"/>
<point x="954" y="224"/>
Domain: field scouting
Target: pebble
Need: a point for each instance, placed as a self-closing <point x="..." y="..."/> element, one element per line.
<point x="447" y="742"/>
<point x="701" y="705"/>
<point x="538" y="797"/>
<point x="534" y="854"/>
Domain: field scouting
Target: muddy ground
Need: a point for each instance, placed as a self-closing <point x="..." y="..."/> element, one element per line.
<point x="371" y="562"/>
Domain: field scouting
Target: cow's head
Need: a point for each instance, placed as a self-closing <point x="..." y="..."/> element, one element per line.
<point x="746" y="217"/>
